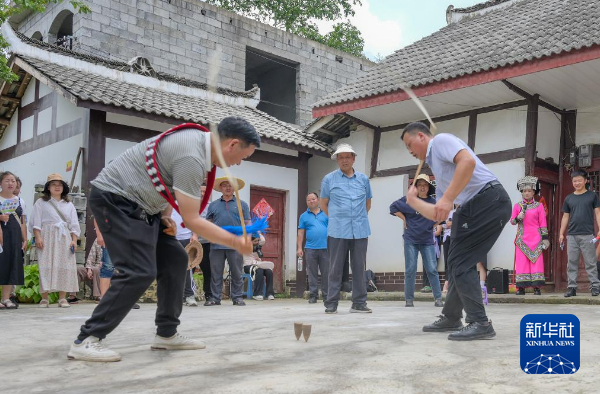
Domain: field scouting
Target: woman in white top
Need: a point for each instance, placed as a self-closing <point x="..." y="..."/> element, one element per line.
<point x="56" y="228"/>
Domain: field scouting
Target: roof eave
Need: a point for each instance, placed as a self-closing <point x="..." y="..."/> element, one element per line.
<point x="509" y="71"/>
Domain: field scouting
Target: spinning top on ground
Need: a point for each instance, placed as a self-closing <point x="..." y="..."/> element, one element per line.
<point x="306" y="328"/>
<point x="298" y="330"/>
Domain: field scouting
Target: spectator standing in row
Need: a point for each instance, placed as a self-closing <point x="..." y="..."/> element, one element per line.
<point x="346" y="200"/>
<point x="55" y="226"/>
<point x="224" y="212"/>
<point x="418" y="238"/>
<point x="13" y="238"/>
<point x="313" y="224"/>
<point x="579" y="210"/>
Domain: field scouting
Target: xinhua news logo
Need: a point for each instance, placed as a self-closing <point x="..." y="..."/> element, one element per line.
<point x="550" y="344"/>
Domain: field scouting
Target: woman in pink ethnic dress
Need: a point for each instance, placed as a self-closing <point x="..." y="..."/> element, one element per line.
<point x="532" y="238"/>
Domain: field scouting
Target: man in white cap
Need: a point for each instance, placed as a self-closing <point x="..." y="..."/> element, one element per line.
<point x="346" y="199"/>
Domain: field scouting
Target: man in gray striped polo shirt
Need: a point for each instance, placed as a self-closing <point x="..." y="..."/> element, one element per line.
<point x="132" y="215"/>
<point x="484" y="210"/>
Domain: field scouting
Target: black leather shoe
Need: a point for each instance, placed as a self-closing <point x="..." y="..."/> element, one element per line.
<point x="409" y="304"/>
<point x="360" y="309"/>
<point x="520" y="291"/>
<point x="595" y="291"/>
<point x="571" y="292"/>
<point x="239" y="302"/>
<point x="331" y="310"/>
<point x="135" y="306"/>
<point x="312" y="300"/>
<point x="212" y="302"/>
<point x="474" y="331"/>
<point x="443" y="324"/>
<point x="537" y="291"/>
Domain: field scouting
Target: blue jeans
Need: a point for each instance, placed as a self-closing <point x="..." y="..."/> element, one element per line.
<point x="411" y="252"/>
<point x="107" y="269"/>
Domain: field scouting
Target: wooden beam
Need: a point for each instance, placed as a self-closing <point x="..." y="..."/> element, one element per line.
<point x="472" y="130"/>
<point x="486" y="158"/>
<point x="568" y="132"/>
<point x="11" y="99"/>
<point x="276" y="159"/>
<point x="375" y="152"/>
<point x="295" y="147"/>
<point x="529" y="96"/>
<point x="462" y="114"/>
<point x="531" y="129"/>
<point x="4" y="121"/>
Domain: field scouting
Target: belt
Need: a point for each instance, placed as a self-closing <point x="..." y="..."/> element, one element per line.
<point x="489" y="185"/>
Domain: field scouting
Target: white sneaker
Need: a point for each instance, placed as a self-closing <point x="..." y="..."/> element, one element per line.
<point x="271" y="297"/>
<point x="191" y="301"/>
<point x="91" y="349"/>
<point x="258" y="298"/>
<point x="176" y="342"/>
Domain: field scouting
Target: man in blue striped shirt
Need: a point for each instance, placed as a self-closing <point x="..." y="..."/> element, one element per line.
<point x="346" y="200"/>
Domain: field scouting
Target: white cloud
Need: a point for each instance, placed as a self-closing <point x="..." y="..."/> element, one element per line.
<point x="381" y="36"/>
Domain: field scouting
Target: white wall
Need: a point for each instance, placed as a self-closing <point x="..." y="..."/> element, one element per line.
<point x="114" y="148"/>
<point x="386" y="247"/>
<point x="9" y="138"/>
<point x="501" y="130"/>
<point x="66" y="112"/>
<point x="277" y="149"/>
<point x="508" y="172"/>
<point x="34" y="167"/>
<point x="548" y="135"/>
<point x="29" y="95"/>
<point x="393" y="153"/>
<point x="286" y="179"/>
<point x="134" y="121"/>
<point x="318" y="167"/>
<point x="588" y="126"/>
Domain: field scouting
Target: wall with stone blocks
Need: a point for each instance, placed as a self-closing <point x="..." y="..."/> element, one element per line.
<point x="179" y="37"/>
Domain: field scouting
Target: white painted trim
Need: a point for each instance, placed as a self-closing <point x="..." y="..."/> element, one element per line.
<point x="18" y="47"/>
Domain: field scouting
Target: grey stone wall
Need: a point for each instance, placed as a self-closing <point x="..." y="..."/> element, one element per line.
<point x="179" y="37"/>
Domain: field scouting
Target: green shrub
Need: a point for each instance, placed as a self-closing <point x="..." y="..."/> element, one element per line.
<point x="30" y="292"/>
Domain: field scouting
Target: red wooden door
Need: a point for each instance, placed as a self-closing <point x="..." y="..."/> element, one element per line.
<point x="273" y="250"/>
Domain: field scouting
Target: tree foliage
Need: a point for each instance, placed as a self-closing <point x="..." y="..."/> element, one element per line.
<point x="298" y="16"/>
<point x="8" y="9"/>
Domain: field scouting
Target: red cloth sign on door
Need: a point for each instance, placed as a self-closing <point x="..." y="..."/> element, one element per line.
<point x="262" y="209"/>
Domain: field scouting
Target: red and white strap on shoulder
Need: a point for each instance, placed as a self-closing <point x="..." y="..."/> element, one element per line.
<point x="156" y="178"/>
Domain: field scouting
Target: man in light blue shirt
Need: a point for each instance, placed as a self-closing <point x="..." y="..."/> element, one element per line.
<point x="346" y="199"/>
<point x="314" y="223"/>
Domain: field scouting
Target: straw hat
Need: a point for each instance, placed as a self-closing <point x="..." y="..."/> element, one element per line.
<point x="218" y="181"/>
<point x="195" y="253"/>
<point x="56" y="177"/>
<point x="425" y="177"/>
<point x="342" y="148"/>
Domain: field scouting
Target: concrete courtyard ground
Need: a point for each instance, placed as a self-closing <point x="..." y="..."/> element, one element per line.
<point x="252" y="349"/>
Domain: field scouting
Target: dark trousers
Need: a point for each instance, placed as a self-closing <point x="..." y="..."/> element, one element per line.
<point x="205" y="268"/>
<point x="338" y="252"/>
<point x="317" y="260"/>
<point x="141" y="252"/>
<point x="188" y="288"/>
<point x="476" y="226"/>
<point x="217" y="265"/>
<point x="259" y="281"/>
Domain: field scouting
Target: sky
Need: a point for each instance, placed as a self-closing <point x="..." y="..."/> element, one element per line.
<point x="388" y="25"/>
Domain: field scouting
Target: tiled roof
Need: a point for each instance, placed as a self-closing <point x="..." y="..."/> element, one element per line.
<point x="480" y="6"/>
<point x="123" y="66"/>
<point x="519" y="32"/>
<point x="91" y="87"/>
